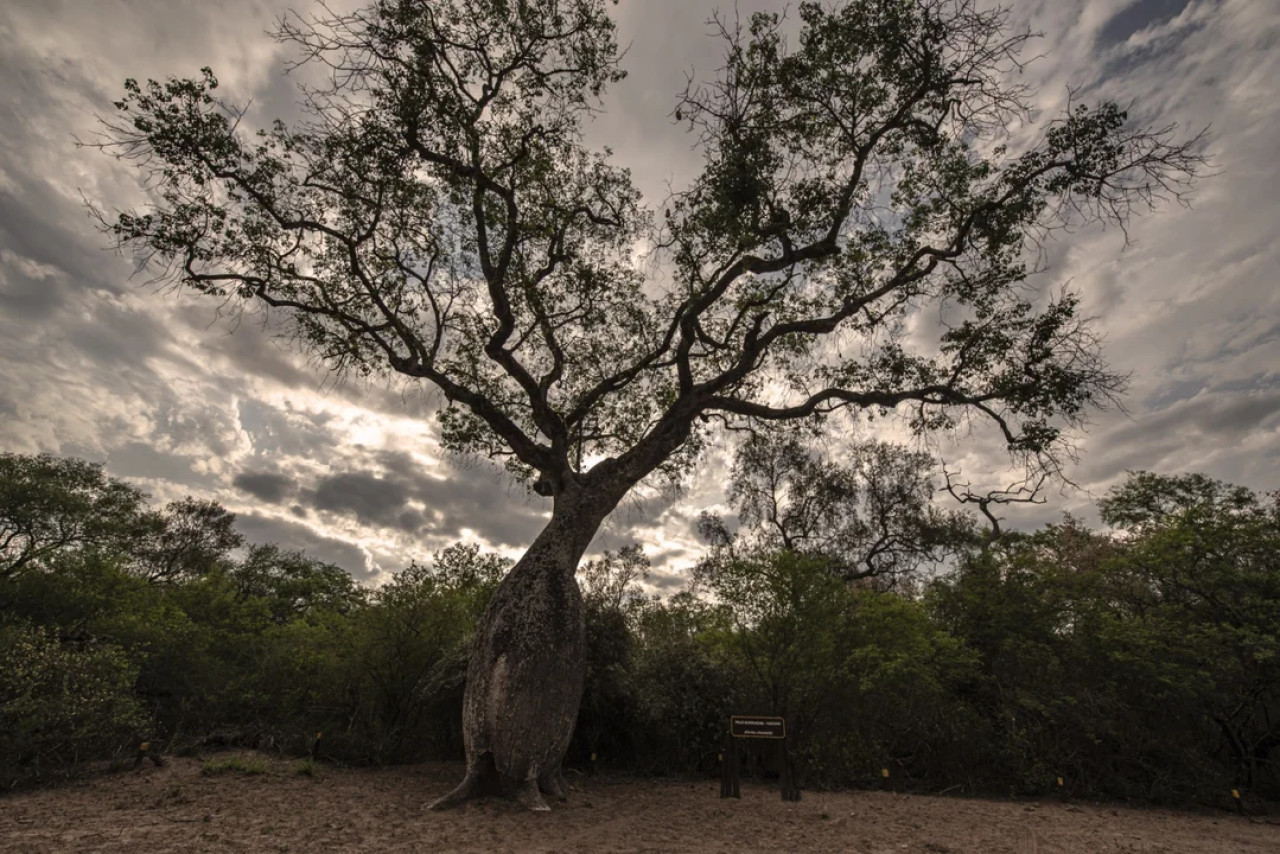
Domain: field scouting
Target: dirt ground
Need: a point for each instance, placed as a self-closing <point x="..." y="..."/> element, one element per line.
<point x="177" y="808"/>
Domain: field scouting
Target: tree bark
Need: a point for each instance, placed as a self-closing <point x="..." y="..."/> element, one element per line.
<point x="527" y="667"/>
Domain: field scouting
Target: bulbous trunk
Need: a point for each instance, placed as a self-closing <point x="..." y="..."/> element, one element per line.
<point x="525" y="676"/>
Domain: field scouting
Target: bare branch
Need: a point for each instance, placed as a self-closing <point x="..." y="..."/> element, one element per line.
<point x="1025" y="491"/>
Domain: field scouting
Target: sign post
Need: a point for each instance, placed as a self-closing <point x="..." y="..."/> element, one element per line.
<point x="729" y="768"/>
<point x="767" y="727"/>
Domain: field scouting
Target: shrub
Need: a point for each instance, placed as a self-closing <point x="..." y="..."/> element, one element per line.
<point x="61" y="702"/>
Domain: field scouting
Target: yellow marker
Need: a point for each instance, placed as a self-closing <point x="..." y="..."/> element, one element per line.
<point x="884" y="772"/>
<point x="1059" y="781"/>
<point x="317" y="736"/>
<point x="593" y="757"/>
<point x="719" y="757"/>
<point x="1235" y="793"/>
<point x="144" y="746"/>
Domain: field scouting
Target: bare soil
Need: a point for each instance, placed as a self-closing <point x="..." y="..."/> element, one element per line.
<point x="177" y="808"/>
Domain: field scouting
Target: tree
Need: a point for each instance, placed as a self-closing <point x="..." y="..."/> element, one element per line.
<point x="295" y="584"/>
<point x="440" y="217"/>
<point x="687" y="683"/>
<point x="788" y="614"/>
<point x="1149" y="502"/>
<point x="870" y="517"/>
<point x="48" y="505"/>
<point x="59" y="702"/>
<point x="1201" y="573"/>
<point x="613" y="605"/>
<point x="51" y="505"/>
<point x="413" y="660"/>
<point x="188" y="539"/>
<point x="1022" y="604"/>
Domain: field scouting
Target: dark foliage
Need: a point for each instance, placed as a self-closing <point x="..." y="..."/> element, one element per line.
<point x="1142" y="664"/>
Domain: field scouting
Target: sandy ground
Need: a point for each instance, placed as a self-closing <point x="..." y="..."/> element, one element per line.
<point x="177" y="808"/>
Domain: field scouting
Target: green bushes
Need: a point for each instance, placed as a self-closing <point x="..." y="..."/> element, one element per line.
<point x="123" y="623"/>
<point x="685" y="686"/>
<point x="1139" y="667"/>
<point x="61" y="702"/>
<point x="1144" y="665"/>
<point x="408" y="656"/>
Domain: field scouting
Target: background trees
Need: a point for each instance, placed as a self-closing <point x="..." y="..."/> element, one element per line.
<point x="52" y="506"/>
<point x="1140" y="662"/>
<point x="867" y="513"/>
<point x="229" y="645"/>
<point x="1201" y="576"/>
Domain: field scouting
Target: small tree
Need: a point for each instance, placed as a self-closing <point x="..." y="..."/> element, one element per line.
<point x="614" y="603"/>
<point x="414" y="654"/>
<point x="440" y="217"/>
<point x="293" y="584"/>
<point x="188" y="539"/>
<point x="788" y="614"/>
<point x="60" y="703"/>
<point x="1201" y="572"/>
<point x="869" y="514"/>
<point x="50" y="505"/>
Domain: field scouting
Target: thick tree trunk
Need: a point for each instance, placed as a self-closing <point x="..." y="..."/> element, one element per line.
<point x="525" y="677"/>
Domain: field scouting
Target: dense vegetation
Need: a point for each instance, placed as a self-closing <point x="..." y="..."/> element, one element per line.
<point x="1140" y="662"/>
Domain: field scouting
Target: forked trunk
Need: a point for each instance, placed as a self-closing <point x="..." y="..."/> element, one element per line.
<point x="525" y="677"/>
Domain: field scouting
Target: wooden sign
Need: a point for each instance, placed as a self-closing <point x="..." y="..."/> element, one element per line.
<point x="756" y="726"/>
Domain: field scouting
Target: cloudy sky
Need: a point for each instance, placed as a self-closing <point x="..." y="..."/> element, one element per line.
<point x="94" y="363"/>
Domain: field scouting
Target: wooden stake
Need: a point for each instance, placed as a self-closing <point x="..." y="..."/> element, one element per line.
<point x="729" y="783"/>
<point x="790" y="786"/>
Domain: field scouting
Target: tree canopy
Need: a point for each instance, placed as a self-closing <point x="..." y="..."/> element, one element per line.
<point x="439" y="215"/>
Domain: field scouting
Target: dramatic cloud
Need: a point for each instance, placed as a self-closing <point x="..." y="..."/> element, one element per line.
<point x="372" y="500"/>
<point x="295" y="535"/>
<point x="265" y="486"/>
<point x="168" y="394"/>
<point x="451" y="505"/>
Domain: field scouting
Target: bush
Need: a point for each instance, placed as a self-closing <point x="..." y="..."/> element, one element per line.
<point x="61" y="703"/>
<point x="686" y="685"/>
<point x="307" y="768"/>
<point x="407" y="665"/>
